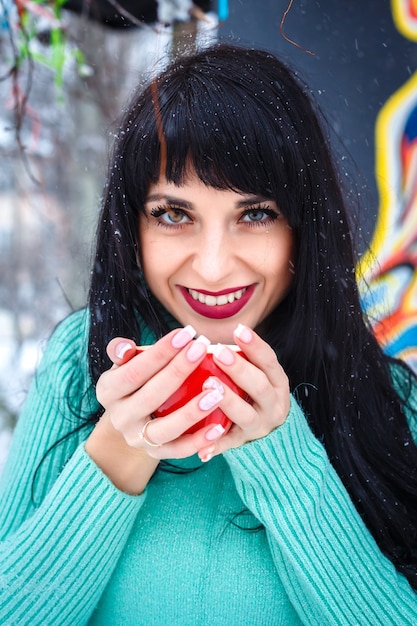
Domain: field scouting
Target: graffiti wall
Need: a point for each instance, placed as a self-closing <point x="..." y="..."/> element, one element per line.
<point x="390" y="268"/>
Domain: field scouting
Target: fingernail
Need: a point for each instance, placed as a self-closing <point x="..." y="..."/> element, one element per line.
<point x="183" y="336"/>
<point x="215" y="433"/>
<point x="122" y="348"/>
<point x="213" y="383"/>
<point x="208" y="455"/>
<point x="224" y="355"/>
<point x="198" y="348"/>
<point x="243" y="333"/>
<point x="210" y="400"/>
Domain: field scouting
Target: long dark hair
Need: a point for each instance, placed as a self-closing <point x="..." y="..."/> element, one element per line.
<point x="246" y="122"/>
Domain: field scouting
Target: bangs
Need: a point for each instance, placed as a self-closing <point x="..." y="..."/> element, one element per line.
<point x="222" y="138"/>
<point x="236" y="123"/>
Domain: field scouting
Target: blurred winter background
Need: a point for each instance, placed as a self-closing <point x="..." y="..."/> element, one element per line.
<point x="64" y="78"/>
<point x="67" y="66"/>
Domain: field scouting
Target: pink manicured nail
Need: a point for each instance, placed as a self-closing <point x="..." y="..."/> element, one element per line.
<point x="208" y="455"/>
<point x="122" y="348"/>
<point x="210" y="400"/>
<point x="183" y="336"/>
<point x="243" y="333"/>
<point x="224" y="355"/>
<point x="215" y="433"/>
<point x="213" y="383"/>
<point x="198" y="348"/>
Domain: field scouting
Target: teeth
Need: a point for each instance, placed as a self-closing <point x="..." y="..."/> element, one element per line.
<point x="216" y="300"/>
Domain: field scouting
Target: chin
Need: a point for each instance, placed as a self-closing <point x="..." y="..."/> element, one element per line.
<point x="219" y="332"/>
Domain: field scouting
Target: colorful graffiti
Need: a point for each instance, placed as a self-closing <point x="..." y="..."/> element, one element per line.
<point x="389" y="291"/>
<point x="404" y="13"/>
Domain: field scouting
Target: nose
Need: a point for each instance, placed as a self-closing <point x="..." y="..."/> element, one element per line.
<point x="214" y="256"/>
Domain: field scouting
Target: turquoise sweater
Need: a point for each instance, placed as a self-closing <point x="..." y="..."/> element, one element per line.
<point x="87" y="553"/>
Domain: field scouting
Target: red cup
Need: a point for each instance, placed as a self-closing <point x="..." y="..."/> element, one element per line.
<point x="193" y="385"/>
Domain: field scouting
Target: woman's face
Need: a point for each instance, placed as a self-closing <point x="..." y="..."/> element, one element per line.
<point x="215" y="258"/>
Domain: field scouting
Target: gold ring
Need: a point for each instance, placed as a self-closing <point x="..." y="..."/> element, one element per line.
<point x="142" y="435"/>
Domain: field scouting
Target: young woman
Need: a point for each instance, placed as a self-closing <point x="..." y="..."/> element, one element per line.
<point x="223" y="222"/>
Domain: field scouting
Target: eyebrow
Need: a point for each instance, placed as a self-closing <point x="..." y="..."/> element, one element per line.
<point x="189" y="205"/>
<point x="169" y="200"/>
<point x="252" y="200"/>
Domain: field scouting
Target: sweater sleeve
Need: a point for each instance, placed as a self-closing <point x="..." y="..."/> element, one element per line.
<point x="330" y="565"/>
<point x="63" y="524"/>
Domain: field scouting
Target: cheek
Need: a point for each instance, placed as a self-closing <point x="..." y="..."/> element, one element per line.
<point x="276" y="258"/>
<point x="153" y="268"/>
<point x="160" y="261"/>
<point x="149" y="257"/>
<point x="279" y="267"/>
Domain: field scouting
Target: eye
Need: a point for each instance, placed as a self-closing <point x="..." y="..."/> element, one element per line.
<point x="173" y="216"/>
<point x="255" y="215"/>
<point x="259" y="215"/>
<point x="170" y="216"/>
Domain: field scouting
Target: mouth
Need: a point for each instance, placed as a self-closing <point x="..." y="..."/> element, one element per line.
<point x="217" y="305"/>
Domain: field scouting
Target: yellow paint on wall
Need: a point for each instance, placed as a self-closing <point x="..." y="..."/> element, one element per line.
<point x="389" y="130"/>
<point x="404" y="13"/>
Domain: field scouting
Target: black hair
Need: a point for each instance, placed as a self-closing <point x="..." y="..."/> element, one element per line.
<point x="246" y="122"/>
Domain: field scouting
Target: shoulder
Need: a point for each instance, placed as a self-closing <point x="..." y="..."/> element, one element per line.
<point x="69" y="338"/>
<point x="66" y="352"/>
<point x="73" y="328"/>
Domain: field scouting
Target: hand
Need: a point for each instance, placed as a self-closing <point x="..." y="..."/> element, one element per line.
<point x="263" y="379"/>
<point x="131" y="390"/>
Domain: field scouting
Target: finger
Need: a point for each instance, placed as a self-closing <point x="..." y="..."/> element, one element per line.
<point x="141" y="367"/>
<point x="234" y="438"/>
<point x="207" y="453"/>
<point x="210" y="449"/>
<point x="239" y="410"/>
<point x="257" y="378"/>
<point x="252" y="420"/>
<point x="183" y="447"/>
<point x="121" y="350"/>
<point x="260" y="353"/>
<point x="165" y="382"/>
<point x="167" y="429"/>
<point x="267" y="407"/>
<point x="244" y="374"/>
<point x="128" y="412"/>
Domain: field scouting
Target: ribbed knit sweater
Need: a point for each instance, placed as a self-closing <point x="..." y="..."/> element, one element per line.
<point x="263" y="535"/>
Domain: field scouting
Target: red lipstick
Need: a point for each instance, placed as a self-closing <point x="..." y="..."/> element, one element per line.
<point x="218" y="311"/>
